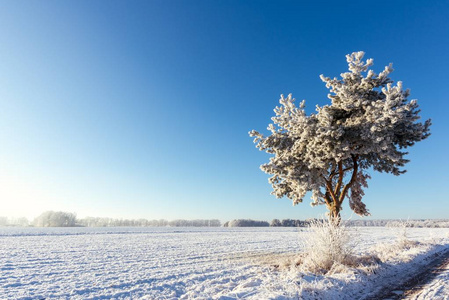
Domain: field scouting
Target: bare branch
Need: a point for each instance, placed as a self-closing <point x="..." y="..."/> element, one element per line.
<point x="340" y="177"/>
<point x="353" y="178"/>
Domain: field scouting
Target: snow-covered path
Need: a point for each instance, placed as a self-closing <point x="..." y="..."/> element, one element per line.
<point x="436" y="289"/>
<point x="168" y="263"/>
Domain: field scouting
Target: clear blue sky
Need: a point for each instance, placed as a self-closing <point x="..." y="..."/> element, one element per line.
<point x="142" y="108"/>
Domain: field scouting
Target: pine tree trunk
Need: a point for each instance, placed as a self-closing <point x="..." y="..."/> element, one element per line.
<point x="334" y="215"/>
<point x="336" y="194"/>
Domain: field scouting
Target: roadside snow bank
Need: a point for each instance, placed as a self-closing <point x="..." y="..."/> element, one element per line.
<point x="387" y="266"/>
<point x="436" y="289"/>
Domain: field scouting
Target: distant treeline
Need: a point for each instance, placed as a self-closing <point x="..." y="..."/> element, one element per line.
<point x="423" y="223"/>
<point x="66" y="219"/>
<point x="108" y="222"/>
<point x="289" y="223"/>
<point x="274" y="223"/>
<point x="429" y="223"/>
<point x="246" y="223"/>
<point x="18" y="222"/>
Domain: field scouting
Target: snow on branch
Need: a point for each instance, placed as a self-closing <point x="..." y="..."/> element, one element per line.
<point x="369" y="118"/>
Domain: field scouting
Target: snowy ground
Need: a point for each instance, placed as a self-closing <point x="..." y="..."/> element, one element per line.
<point x="195" y="263"/>
<point x="436" y="289"/>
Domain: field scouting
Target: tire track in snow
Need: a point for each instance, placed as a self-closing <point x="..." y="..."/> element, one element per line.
<point x="434" y="287"/>
<point x="414" y="286"/>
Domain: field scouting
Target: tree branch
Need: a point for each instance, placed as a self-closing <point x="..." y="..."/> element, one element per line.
<point x="353" y="178"/>
<point x="340" y="177"/>
<point x="332" y="173"/>
<point x="331" y="192"/>
<point x="327" y="199"/>
<point x="347" y="169"/>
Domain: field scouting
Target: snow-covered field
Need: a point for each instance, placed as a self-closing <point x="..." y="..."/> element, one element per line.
<point x="193" y="263"/>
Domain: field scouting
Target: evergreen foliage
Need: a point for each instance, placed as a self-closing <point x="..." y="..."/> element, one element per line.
<point x="368" y="124"/>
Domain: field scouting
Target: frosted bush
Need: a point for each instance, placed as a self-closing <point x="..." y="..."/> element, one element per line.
<point x="327" y="245"/>
<point x="400" y="249"/>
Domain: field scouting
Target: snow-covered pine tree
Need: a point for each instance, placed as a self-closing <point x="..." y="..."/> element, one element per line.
<point x="367" y="125"/>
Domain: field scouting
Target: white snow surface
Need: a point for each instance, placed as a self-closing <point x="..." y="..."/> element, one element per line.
<point x="436" y="289"/>
<point x="194" y="263"/>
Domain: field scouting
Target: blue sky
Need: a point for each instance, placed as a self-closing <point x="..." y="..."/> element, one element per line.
<point x="142" y="108"/>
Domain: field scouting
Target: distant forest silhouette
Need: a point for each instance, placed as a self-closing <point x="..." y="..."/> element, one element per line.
<point x="67" y="219"/>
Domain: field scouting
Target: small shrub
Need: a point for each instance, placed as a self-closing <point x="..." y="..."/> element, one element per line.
<point x="327" y="244"/>
<point x="398" y="250"/>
